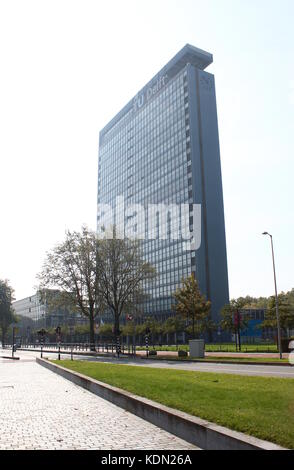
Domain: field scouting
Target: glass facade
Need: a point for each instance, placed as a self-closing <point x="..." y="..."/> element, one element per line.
<point x="146" y="158"/>
<point x="145" y="155"/>
<point x="30" y="307"/>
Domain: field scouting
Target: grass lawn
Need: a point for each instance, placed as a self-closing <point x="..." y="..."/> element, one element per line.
<point x="262" y="407"/>
<point x="272" y="348"/>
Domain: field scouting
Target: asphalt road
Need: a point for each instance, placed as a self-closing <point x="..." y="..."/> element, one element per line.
<point x="235" y="369"/>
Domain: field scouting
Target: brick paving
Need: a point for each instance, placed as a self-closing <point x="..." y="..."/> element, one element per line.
<point x="41" y="410"/>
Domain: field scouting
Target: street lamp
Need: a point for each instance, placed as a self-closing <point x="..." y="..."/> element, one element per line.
<point x="277" y="299"/>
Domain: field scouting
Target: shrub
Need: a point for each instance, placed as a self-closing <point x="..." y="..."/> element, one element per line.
<point x="152" y="352"/>
<point x="182" y="353"/>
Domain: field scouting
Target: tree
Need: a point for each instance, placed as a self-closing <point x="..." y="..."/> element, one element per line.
<point x="252" y="303"/>
<point x="151" y="328"/>
<point x="190" y="303"/>
<point x="7" y="316"/>
<point x="123" y="274"/>
<point x="72" y="268"/>
<point x="290" y="297"/>
<point x="232" y="319"/>
<point x="81" y="330"/>
<point x="286" y="311"/>
<point x="174" y="325"/>
<point x="130" y="329"/>
<point x="106" y="330"/>
<point x="208" y="326"/>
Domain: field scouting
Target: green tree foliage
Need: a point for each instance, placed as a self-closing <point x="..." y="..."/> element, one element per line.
<point x="232" y="320"/>
<point x="191" y="304"/>
<point x="290" y="297"/>
<point x="122" y="275"/>
<point x="253" y="303"/>
<point x="7" y="316"/>
<point x="286" y="311"/>
<point x="174" y="325"/>
<point x="151" y="325"/>
<point x="106" y="330"/>
<point x="130" y="329"/>
<point x="81" y="330"/>
<point x="256" y="303"/>
<point x="228" y="321"/>
<point x="71" y="268"/>
<point x="208" y="326"/>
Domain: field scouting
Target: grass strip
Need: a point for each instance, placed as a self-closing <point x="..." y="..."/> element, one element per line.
<point x="231" y="348"/>
<point x="259" y="406"/>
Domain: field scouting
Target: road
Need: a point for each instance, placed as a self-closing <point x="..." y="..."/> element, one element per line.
<point x="41" y="410"/>
<point x="236" y="369"/>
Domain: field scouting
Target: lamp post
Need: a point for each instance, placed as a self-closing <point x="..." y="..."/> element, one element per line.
<point x="276" y="294"/>
<point x="13" y="340"/>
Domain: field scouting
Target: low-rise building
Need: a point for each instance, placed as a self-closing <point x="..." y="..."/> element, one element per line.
<point x="254" y="331"/>
<point x="34" y="308"/>
<point x="31" y="307"/>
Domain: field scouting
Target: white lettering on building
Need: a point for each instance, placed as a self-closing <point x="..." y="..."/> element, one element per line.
<point x="143" y="98"/>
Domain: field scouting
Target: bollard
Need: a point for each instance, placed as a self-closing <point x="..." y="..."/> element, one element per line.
<point x="147" y="345"/>
<point x="59" y="352"/>
<point x="118" y="347"/>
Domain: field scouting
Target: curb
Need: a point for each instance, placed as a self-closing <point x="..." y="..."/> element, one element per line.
<point x="203" y="434"/>
<point x="74" y="353"/>
<point x="9" y="357"/>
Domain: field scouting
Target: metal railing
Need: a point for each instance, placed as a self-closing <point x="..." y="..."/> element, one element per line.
<point x="83" y="348"/>
<point x="130" y="349"/>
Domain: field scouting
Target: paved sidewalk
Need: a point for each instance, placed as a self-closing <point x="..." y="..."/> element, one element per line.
<point x="41" y="410"/>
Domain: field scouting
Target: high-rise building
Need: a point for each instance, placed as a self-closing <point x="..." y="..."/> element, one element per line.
<point x="163" y="147"/>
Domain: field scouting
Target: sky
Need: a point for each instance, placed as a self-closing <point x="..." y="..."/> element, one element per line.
<point x="68" y="66"/>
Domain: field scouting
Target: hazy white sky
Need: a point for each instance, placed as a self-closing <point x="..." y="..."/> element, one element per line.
<point x="68" y="66"/>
